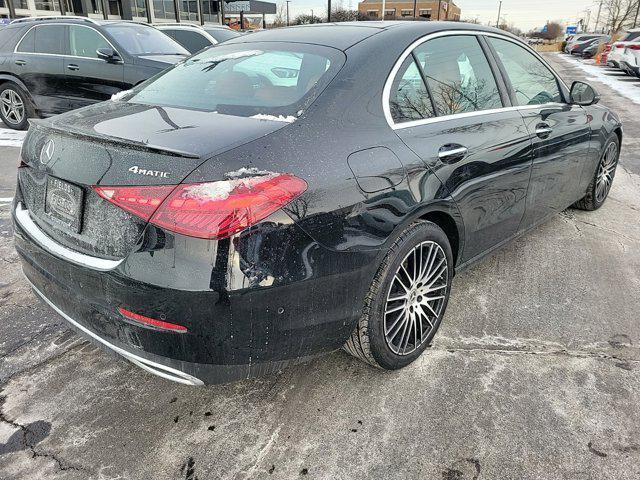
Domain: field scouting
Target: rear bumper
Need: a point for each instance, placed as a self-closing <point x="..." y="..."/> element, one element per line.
<point x="232" y="334"/>
<point x="152" y="366"/>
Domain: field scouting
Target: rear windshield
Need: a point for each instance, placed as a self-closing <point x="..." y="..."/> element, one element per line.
<point x="143" y="40"/>
<point x="629" y="36"/>
<point x="221" y="34"/>
<point x="246" y="79"/>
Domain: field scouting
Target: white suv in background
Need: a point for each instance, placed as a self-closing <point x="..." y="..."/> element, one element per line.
<point x="617" y="48"/>
<point x="630" y="59"/>
<point x="195" y="37"/>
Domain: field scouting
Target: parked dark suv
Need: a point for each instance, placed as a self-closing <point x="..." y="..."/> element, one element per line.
<point x="55" y="64"/>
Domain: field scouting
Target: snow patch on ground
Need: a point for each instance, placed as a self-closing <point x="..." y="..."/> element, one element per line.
<point x="11" y="138"/>
<point x="279" y="118"/>
<point x="599" y="74"/>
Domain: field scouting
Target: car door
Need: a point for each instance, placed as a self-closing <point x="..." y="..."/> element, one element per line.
<point x="458" y="119"/>
<point x="38" y="63"/>
<point x="559" y="131"/>
<point x="90" y="79"/>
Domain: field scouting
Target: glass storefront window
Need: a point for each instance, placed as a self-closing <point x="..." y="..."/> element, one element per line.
<point x="164" y="9"/>
<point x="47" y="5"/>
<point x="210" y="10"/>
<point x="189" y="10"/>
<point x="139" y="9"/>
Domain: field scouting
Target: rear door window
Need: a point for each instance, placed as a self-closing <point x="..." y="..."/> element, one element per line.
<point x="409" y="99"/>
<point x="245" y="80"/>
<point x="28" y="42"/>
<point x="49" y="39"/>
<point x="459" y="76"/>
<point x="532" y="81"/>
<point x="192" y="41"/>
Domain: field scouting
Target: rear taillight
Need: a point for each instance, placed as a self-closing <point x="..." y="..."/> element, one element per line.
<point x="141" y="201"/>
<point x="161" y="324"/>
<point x="618" y="45"/>
<point x="633" y="47"/>
<point x="212" y="210"/>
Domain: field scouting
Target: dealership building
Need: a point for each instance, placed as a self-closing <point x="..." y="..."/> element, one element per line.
<point x="152" y="11"/>
<point x="409" y="10"/>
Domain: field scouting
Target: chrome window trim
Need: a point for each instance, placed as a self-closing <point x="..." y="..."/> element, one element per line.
<point x="15" y="50"/>
<point x="386" y="92"/>
<point x="43" y="240"/>
<point x="148" y="365"/>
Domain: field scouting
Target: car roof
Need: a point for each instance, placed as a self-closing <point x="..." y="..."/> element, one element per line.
<point x="346" y="34"/>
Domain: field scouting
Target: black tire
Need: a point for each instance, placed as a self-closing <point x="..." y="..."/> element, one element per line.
<point x="368" y="341"/>
<point x="594" y="199"/>
<point x="27" y="107"/>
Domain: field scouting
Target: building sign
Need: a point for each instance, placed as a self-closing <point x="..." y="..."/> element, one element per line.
<point x="250" y="6"/>
<point x="572" y="30"/>
<point x="237" y="7"/>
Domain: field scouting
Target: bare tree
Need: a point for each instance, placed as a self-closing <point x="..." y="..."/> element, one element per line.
<point x="554" y="30"/>
<point x="306" y="19"/>
<point x="620" y="13"/>
<point x="280" y="20"/>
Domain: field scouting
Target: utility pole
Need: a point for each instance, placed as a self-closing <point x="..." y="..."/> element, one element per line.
<point x="439" y="8"/>
<point x="598" y="17"/>
<point x="288" y="12"/>
<point x="384" y="9"/>
<point x="635" y="22"/>
<point x="329" y="10"/>
<point x="499" y="12"/>
<point x="415" y="2"/>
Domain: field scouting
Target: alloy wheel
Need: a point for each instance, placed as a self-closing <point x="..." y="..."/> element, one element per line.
<point x="416" y="298"/>
<point x="606" y="170"/>
<point x="12" y="106"/>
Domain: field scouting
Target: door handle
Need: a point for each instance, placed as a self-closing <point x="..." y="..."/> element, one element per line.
<point x="73" y="66"/>
<point x="543" y="130"/>
<point x="20" y="62"/>
<point x="452" y="153"/>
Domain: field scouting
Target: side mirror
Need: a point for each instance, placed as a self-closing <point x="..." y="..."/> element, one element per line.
<point x="108" y="54"/>
<point x="583" y="94"/>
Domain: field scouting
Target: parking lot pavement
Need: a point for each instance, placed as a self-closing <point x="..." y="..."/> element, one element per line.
<point x="534" y="374"/>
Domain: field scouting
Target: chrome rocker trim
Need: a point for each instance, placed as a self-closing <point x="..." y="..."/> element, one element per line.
<point x="151" y="367"/>
<point x="28" y="225"/>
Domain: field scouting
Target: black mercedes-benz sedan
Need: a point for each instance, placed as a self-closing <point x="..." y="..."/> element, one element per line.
<point x="298" y="190"/>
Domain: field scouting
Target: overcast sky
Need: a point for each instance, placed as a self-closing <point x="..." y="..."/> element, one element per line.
<point x="525" y="14"/>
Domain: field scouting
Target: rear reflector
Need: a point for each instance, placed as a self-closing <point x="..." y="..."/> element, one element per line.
<point x="211" y="210"/>
<point x="151" y="321"/>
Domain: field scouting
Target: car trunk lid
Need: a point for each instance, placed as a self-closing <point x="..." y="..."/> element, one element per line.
<point x="116" y="145"/>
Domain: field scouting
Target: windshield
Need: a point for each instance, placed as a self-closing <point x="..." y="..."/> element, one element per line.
<point x="221" y="34"/>
<point x="139" y="39"/>
<point x="272" y="79"/>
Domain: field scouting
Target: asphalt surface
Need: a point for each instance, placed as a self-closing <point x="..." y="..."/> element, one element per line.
<point x="533" y="375"/>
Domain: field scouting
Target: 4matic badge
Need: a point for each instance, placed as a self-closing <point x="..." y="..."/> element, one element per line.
<point x="152" y="173"/>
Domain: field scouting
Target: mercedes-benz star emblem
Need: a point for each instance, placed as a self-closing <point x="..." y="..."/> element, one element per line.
<point x="46" y="154"/>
